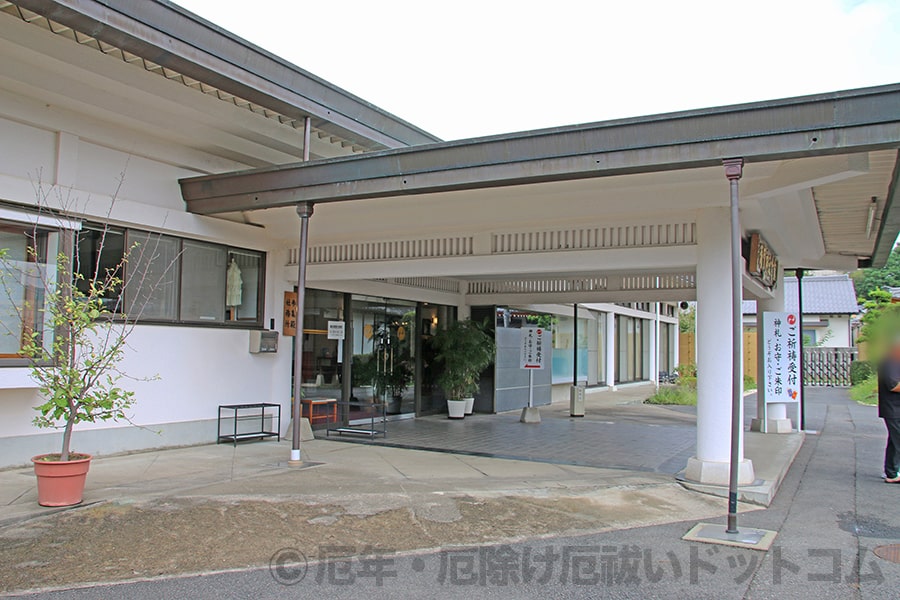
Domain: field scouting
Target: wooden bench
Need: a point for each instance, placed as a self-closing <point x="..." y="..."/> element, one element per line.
<point x="319" y="410"/>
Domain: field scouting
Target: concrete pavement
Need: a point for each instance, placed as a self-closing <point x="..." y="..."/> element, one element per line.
<point x="223" y="507"/>
<point x="831" y="512"/>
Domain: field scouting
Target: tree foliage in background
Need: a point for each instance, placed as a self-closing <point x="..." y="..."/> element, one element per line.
<point x="868" y="280"/>
<point x="542" y="320"/>
<point x="875" y="306"/>
<point x="880" y="324"/>
<point x="687" y="319"/>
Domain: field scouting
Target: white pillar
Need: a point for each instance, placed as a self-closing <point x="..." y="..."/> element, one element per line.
<point x="711" y="464"/>
<point x="611" y="350"/>
<point x="463" y="310"/>
<point x="674" y="345"/>
<point x="654" y="368"/>
<point x="594" y="341"/>
<point x="770" y="417"/>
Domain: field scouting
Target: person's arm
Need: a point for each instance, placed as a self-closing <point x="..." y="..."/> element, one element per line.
<point x="891" y="375"/>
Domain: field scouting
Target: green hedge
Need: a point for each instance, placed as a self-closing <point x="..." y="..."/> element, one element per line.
<point x="860" y="370"/>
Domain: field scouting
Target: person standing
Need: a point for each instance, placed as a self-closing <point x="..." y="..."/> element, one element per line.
<point x="889" y="410"/>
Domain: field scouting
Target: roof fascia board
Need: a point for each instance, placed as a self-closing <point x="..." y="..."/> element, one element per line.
<point x="170" y="36"/>
<point x="837" y="123"/>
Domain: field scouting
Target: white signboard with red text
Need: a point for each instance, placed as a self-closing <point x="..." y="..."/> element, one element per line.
<point x="532" y="352"/>
<point x="781" y="352"/>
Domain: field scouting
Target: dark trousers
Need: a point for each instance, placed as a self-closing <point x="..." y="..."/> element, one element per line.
<point x="892" y="452"/>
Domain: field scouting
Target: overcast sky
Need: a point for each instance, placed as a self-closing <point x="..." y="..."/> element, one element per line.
<point x="469" y="68"/>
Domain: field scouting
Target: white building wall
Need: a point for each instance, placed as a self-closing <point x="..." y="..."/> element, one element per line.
<point x="836" y="334"/>
<point x="198" y="368"/>
<point x="832" y="331"/>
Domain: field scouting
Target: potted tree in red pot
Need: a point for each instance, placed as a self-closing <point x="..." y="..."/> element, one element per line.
<point x="74" y="354"/>
<point x="76" y="376"/>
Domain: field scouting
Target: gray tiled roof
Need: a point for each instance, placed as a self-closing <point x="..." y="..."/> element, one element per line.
<point x="822" y="295"/>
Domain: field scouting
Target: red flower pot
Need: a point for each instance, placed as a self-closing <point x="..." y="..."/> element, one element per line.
<point x="61" y="483"/>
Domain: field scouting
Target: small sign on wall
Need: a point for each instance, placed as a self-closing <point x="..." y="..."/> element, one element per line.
<point x="762" y="263"/>
<point x="336" y="330"/>
<point x="290" y="314"/>
<point x="532" y="351"/>
<point x="781" y="368"/>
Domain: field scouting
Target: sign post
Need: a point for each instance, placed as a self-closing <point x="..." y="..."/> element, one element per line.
<point x="531" y="358"/>
<point x="782" y="348"/>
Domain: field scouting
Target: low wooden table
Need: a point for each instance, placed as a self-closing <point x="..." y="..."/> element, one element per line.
<point x="319" y="410"/>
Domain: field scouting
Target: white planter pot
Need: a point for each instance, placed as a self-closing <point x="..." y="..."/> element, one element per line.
<point x="456" y="409"/>
<point x="470" y="405"/>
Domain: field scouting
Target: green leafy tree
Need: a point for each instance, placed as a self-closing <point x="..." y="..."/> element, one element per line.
<point x="687" y="319"/>
<point x="542" y="320"/>
<point x="880" y="323"/>
<point x="82" y="385"/>
<point x="875" y="305"/>
<point x="868" y="280"/>
<point x="77" y="368"/>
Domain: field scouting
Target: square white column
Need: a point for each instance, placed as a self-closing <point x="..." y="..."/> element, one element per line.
<point x="611" y="350"/>
<point x="711" y="465"/>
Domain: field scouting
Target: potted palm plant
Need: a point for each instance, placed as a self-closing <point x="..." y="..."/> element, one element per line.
<point x="464" y="349"/>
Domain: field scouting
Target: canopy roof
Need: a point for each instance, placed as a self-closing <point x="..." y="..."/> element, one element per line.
<point x="840" y="137"/>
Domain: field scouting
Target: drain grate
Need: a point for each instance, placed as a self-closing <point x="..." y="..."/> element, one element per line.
<point x="890" y="552"/>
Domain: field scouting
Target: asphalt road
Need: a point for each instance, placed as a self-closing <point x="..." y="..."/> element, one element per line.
<point x="831" y="512"/>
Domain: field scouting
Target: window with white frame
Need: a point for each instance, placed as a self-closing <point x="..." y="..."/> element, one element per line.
<point x="28" y="256"/>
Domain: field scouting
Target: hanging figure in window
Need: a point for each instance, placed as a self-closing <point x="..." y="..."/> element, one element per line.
<point x="233" y="286"/>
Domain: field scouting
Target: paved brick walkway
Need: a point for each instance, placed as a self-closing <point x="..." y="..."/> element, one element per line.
<point x="618" y="431"/>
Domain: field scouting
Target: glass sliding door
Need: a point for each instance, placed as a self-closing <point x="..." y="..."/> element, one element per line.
<point x="665" y="345"/>
<point x="321" y="357"/>
<point x="432" y="318"/>
<point x="384" y="352"/>
<point x="632" y="349"/>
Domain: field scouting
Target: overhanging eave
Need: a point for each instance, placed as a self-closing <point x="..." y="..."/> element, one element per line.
<point x="890" y="221"/>
<point x="176" y="39"/>
<point x="840" y="122"/>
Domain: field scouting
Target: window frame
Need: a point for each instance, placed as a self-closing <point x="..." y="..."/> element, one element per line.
<point x="257" y="323"/>
<point x="67" y="231"/>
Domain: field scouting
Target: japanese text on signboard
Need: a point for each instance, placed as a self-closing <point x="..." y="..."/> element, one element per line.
<point x="782" y="356"/>
<point x="336" y="330"/>
<point x="290" y="314"/>
<point x="532" y="356"/>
